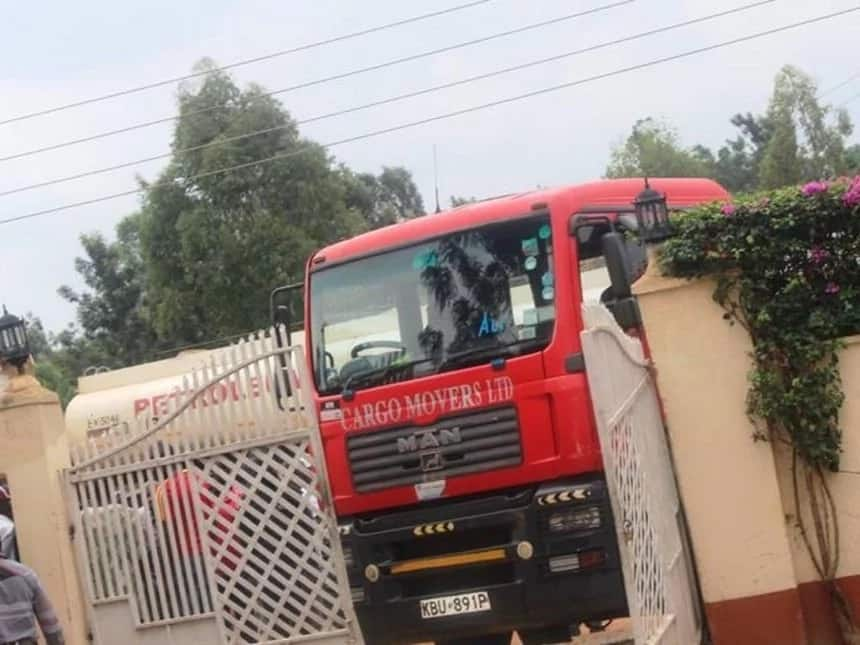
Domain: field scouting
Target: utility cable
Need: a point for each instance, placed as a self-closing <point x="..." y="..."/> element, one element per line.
<point x="385" y="101"/>
<point x="241" y="63"/>
<point x="839" y="86"/>
<point x="455" y="113"/>
<point x="321" y="81"/>
<point x="850" y="100"/>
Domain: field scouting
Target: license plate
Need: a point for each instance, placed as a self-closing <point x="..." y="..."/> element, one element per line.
<point x="464" y="603"/>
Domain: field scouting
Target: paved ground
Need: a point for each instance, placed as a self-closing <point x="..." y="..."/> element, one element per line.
<point x="618" y="633"/>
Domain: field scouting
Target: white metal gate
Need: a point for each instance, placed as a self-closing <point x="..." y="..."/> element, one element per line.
<point x="657" y="565"/>
<point x="213" y="523"/>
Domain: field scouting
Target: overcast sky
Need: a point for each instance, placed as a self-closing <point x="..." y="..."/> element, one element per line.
<point x="53" y="53"/>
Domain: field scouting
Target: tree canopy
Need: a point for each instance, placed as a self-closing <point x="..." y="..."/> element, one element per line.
<point x="653" y="150"/>
<point x="798" y="138"/>
<point x="199" y="258"/>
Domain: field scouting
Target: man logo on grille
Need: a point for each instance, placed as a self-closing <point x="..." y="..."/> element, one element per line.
<point x="430" y="439"/>
<point x="431" y="461"/>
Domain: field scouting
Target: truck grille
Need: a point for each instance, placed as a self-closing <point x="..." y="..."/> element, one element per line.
<point x="455" y="445"/>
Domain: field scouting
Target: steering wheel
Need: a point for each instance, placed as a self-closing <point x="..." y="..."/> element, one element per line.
<point x="377" y="344"/>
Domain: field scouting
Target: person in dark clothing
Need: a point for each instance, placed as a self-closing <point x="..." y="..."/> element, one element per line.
<point x="23" y="603"/>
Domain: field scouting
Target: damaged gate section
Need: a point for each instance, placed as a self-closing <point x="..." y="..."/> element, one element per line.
<point x="214" y="525"/>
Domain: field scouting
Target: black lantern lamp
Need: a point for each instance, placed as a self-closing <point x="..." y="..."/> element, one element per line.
<point x="14" y="346"/>
<point x="652" y="214"/>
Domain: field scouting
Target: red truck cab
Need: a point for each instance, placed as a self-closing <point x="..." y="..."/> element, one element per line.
<point x="459" y="436"/>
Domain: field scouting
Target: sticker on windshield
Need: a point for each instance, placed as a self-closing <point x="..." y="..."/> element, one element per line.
<point x="490" y="326"/>
<point x="544" y="232"/>
<point x="530" y="246"/>
<point x="531" y="263"/>
<point x="548" y="293"/>
<point x="547" y="279"/>
<point x="425" y="259"/>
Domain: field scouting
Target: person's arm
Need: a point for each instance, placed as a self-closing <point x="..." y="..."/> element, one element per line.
<point x="7" y="539"/>
<point x="45" y="614"/>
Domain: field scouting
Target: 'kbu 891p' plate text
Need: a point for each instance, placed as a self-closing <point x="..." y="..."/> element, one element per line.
<point x="464" y="603"/>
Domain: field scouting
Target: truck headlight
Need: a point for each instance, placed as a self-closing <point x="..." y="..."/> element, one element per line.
<point x="575" y="519"/>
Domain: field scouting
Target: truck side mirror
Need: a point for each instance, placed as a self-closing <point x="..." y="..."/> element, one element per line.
<point x="617" y="264"/>
<point x="282" y="312"/>
<point x="280" y="309"/>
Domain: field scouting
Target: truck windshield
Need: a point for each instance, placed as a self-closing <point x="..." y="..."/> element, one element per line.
<point x="461" y="299"/>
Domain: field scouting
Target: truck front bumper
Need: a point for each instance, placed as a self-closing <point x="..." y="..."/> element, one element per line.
<point x="518" y="559"/>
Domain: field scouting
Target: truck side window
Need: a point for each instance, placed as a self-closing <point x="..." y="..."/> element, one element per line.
<point x="594" y="278"/>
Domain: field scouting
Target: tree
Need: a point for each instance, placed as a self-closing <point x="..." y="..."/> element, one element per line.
<point x="51" y="370"/>
<point x="736" y="163"/>
<point x="852" y="159"/>
<point x="215" y="244"/>
<point x="781" y="165"/>
<point x="390" y="197"/>
<point x="653" y="149"/>
<point x="798" y="138"/>
<point x="805" y="142"/>
<point x="198" y="260"/>
<point x="112" y="315"/>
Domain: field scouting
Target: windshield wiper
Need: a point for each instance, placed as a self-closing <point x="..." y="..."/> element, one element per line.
<point x="378" y="375"/>
<point x="381" y="372"/>
<point x="494" y="351"/>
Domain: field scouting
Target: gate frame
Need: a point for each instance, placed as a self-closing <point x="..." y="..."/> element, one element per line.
<point x="297" y="382"/>
<point x="683" y="600"/>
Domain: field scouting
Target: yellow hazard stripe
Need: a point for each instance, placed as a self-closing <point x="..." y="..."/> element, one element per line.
<point x="433" y="529"/>
<point x="453" y="560"/>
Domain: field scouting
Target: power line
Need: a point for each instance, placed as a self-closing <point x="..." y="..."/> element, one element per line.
<point x="448" y="115"/>
<point x="850" y="100"/>
<point x="241" y="63"/>
<point x="839" y="86"/>
<point x="389" y="100"/>
<point x="324" y="79"/>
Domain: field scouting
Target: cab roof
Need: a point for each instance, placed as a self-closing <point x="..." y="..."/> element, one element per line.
<point x="680" y="192"/>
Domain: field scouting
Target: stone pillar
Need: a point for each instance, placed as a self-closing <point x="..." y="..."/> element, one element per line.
<point x="33" y="450"/>
<point x="728" y="482"/>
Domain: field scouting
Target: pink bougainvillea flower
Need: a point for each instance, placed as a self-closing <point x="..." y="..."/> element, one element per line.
<point x="852" y="195"/>
<point x="728" y="209"/>
<point x="814" y="188"/>
<point x="818" y="255"/>
<point x="831" y="289"/>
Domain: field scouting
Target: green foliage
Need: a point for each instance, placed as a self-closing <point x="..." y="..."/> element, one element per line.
<point x="787" y="266"/>
<point x="112" y="314"/>
<point x="54" y="378"/>
<point x="199" y="259"/>
<point x="52" y="367"/>
<point x="385" y="199"/>
<point x="852" y="158"/>
<point x="214" y="246"/>
<point x="798" y="138"/>
<point x="653" y="150"/>
<point x="780" y="165"/>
